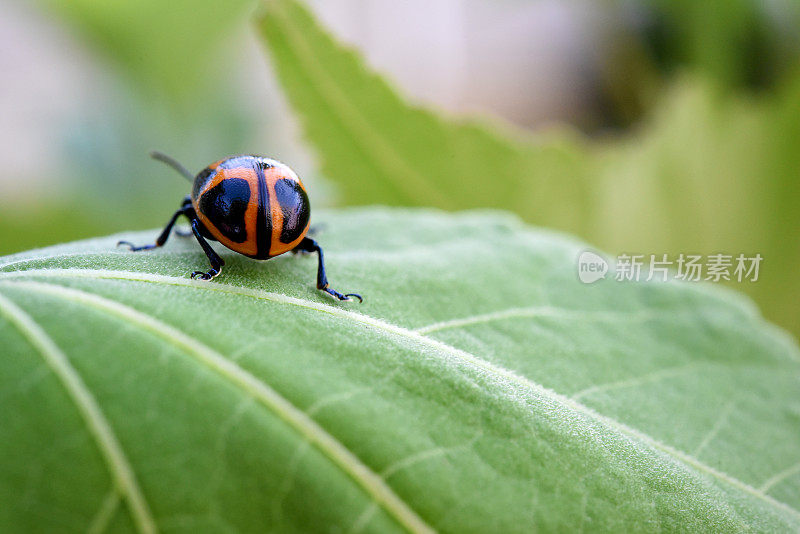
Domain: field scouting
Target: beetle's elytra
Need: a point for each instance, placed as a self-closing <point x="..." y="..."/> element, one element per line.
<point x="253" y="205"/>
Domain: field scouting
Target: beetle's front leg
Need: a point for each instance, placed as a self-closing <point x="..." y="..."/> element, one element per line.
<point x="213" y="258"/>
<point x="186" y="209"/>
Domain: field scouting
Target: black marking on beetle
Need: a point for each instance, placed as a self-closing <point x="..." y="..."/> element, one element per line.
<point x="263" y="217"/>
<point x="294" y="203"/>
<point x="225" y="204"/>
<point x="200" y="181"/>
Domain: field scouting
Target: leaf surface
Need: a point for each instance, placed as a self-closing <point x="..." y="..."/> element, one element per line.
<point x="480" y="387"/>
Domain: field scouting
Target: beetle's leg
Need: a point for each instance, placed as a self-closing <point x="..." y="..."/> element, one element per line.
<point x="185" y="208"/>
<point x="187" y="203"/>
<point x="314" y="230"/>
<point x="213" y="258"/>
<point x="309" y="245"/>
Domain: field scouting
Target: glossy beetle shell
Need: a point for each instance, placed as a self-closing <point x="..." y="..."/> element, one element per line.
<point x="253" y="205"/>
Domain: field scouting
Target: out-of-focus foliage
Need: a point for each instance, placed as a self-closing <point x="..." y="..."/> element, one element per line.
<point x="708" y="172"/>
<point x="164" y="46"/>
<point x="736" y="44"/>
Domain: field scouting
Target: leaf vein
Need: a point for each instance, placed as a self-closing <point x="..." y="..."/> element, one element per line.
<point x="655" y="376"/>
<point x="532" y="311"/>
<point x="370" y="481"/>
<point x="780" y="477"/>
<point x="105" y="513"/>
<point x="723" y="418"/>
<point x="99" y="428"/>
<point x="400" y="331"/>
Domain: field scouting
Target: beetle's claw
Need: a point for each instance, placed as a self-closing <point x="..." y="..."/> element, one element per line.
<point x="206" y="276"/>
<point x="339" y="296"/>
<point x="133" y="247"/>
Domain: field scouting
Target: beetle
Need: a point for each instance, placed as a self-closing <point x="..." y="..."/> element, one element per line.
<point x="253" y="205"/>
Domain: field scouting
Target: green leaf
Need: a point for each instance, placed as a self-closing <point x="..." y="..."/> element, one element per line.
<point x="170" y="48"/>
<point x="707" y="172"/>
<point x="379" y="149"/>
<point x="736" y="41"/>
<point x="479" y="387"/>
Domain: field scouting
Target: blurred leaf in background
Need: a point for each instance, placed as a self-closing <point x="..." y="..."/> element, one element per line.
<point x="168" y="47"/>
<point x="736" y="44"/>
<point x="739" y="43"/>
<point x="709" y="171"/>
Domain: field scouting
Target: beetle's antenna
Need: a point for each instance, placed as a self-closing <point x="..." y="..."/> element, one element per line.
<point x="172" y="162"/>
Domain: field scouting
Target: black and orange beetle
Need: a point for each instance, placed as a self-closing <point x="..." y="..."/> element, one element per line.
<point x="253" y="205"/>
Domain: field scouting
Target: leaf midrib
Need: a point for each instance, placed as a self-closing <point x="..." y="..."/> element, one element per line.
<point x="402" y="332"/>
<point x="380" y="492"/>
<point x="99" y="428"/>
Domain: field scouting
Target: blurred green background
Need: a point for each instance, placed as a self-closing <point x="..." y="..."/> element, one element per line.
<point x="647" y="126"/>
